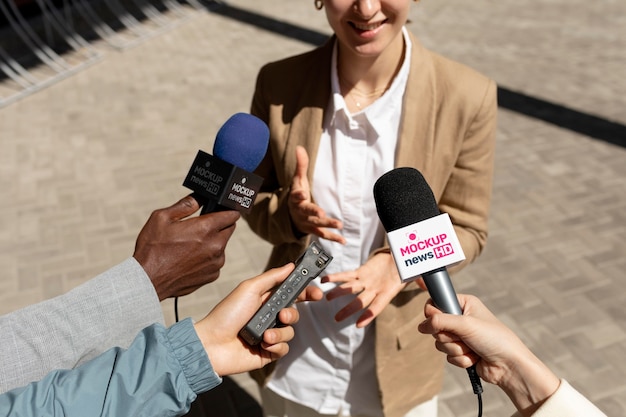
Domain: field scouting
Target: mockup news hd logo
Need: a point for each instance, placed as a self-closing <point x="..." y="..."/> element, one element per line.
<point x="418" y="250"/>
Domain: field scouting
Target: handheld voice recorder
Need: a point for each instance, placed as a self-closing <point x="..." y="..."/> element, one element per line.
<point x="308" y="266"/>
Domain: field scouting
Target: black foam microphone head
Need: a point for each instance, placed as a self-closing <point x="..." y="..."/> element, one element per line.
<point x="403" y="197"/>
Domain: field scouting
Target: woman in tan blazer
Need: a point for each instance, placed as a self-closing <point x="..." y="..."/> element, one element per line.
<point x="445" y="125"/>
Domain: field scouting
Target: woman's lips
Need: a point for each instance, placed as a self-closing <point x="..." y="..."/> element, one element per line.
<point x="367" y="27"/>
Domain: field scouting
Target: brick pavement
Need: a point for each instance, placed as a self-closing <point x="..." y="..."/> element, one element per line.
<point x="84" y="162"/>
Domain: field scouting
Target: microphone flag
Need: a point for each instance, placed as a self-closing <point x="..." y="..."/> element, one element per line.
<point x="221" y="183"/>
<point x="425" y="246"/>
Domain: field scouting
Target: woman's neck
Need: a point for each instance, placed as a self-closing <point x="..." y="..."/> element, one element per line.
<point x="363" y="79"/>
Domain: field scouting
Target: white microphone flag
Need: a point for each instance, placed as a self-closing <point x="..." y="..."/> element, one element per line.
<point x="425" y="246"/>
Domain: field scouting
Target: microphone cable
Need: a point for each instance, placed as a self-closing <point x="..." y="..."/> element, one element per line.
<point x="476" y="387"/>
<point x="176" y="311"/>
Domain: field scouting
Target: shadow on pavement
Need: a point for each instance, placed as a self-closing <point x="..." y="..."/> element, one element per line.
<point x="584" y="123"/>
<point x="226" y="400"/>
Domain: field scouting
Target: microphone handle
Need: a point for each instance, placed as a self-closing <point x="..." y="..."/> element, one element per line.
<point x="444" y="297"/>
<point x="441" y="291"/>
<point x="209" y="206"/>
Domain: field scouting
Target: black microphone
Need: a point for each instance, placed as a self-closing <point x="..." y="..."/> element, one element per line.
<point x="422" y="240"/>
<point x="225" y="180"/>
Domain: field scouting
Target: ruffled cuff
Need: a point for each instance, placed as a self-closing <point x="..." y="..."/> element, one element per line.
<point x="188" y="349"/>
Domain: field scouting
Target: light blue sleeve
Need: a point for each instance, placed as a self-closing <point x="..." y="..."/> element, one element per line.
<point x="159" y="375"/>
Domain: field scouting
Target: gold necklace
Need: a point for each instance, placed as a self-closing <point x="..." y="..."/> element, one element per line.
<point x="374" y="93"/>
<point x="356" y="102"/>
<point x="367" y="96"/>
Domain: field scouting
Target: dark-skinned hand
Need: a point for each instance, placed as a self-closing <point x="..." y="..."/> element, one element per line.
<point x="180" y="253"/>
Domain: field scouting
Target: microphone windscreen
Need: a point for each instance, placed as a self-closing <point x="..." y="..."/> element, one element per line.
<point x="242" y="141"/>
<point x="403" y="197"/>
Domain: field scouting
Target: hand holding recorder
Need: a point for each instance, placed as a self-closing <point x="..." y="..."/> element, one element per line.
<point x="308" y="266"/>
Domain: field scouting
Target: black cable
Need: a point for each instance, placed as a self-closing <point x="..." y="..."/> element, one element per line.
<point x="477" y="387"/>
<point x="176" y="308"/>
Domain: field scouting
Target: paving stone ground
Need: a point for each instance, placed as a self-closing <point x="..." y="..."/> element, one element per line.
<point x="84" y="161"/>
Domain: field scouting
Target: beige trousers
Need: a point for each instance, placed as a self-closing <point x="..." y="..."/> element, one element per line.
<point x="276" y="406"/>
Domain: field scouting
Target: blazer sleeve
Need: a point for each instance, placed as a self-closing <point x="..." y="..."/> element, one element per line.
<point x="65" y="331"/>
<point x="159" y="375"/>
<point x="270" y="218"/>
<point x="467" y="194"/>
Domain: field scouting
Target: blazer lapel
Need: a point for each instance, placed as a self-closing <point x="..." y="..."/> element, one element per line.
<point x="308" y="123"/>
<point x="417" y="135"/>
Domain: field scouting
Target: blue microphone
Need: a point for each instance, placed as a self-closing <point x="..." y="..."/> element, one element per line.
<point x="225" y="180"/>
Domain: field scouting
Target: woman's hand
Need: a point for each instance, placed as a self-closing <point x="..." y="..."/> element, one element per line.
<point x="501" y="358"/>
<point x="308" y="217"/>
<point x="375" y="284"/>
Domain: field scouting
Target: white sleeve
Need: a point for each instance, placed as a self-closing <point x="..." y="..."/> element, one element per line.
<point x="106" y="311"/>
<point x="567" y="402"/>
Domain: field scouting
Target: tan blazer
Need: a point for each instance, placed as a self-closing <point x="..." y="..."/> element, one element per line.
<point x="447" y="133"/>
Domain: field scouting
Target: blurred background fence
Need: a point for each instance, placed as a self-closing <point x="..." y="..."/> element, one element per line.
<point x="44" y="41"/>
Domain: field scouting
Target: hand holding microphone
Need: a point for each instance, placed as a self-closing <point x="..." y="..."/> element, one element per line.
<point x="422" y="240"/>
<point x="501" y="358"/>
<point x="172" y="243"/>
<point x="222" y="183"/>
<point x="180" y="252"/>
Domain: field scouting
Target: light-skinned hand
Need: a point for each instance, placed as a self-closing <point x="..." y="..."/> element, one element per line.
<point x="375" y="283"/>
<point x="218" y="331"/>
<point x="501" y="358"/>
<point x="308" y="217"/>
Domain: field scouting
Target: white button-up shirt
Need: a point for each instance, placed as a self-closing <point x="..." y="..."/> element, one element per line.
<point x="330" y="366"/>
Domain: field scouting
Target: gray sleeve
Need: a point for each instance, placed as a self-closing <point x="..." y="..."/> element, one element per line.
<point x="159" y="375"/>
<point x="63" y="332"/>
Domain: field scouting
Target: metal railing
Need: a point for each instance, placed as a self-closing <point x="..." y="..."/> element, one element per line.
<point x="36" y="52"/>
